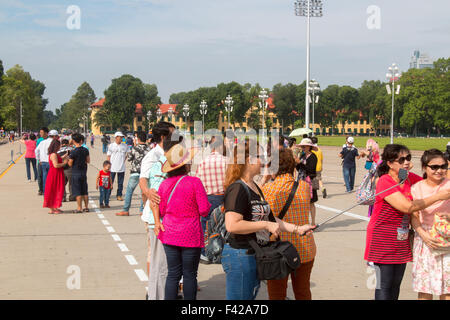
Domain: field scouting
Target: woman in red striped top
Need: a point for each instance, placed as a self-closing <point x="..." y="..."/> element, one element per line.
<point x="387" y="243"/>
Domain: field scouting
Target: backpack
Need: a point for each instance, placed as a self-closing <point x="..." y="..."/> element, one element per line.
<point x="365" y="194"/>
<point x="216" y="233"/>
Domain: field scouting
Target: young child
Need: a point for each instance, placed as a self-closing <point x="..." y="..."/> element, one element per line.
<point x="104" y="184"/>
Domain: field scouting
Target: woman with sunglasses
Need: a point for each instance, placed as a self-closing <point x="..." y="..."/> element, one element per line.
<point x="431" y="265"/>
<point x="387" y="245"/>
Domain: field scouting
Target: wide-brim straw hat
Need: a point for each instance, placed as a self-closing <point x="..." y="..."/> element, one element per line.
<point x="307" y="142"/>
<point x="177" y="157"/>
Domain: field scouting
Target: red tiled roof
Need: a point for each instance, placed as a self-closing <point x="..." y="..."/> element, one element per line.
<point x="100" y="103"/>
<point x="138" y="108"/>
<point x="270" y="103"/>
<point x="165" y="107"/>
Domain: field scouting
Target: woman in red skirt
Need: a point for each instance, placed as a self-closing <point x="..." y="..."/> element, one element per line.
<point x="54" y="185"/>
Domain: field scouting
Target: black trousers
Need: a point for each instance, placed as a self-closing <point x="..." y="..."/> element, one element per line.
<point x="389" y="279"/>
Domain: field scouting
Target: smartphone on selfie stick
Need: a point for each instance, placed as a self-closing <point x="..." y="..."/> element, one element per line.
<point x="402" y="175"/>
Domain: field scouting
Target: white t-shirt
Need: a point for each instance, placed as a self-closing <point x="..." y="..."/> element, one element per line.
<point x="118" y="153"/>
<point x="41" y="151"/>
<point x="149" y="159"/>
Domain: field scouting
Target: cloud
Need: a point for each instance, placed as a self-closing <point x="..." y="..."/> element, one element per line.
<point x="180" y="45"/>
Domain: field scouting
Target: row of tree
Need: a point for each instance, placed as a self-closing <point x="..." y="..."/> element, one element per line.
<point x="424" y="99"/>
<point x="18" y="88"/>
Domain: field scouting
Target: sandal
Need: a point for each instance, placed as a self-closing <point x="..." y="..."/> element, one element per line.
<point x="85" y="210"/>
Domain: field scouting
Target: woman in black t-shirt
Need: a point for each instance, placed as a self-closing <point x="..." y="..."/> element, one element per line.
<point x="247" y="219"/>
<point x="308" y="165"/>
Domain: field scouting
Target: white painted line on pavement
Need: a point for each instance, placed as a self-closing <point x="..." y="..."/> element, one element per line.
<point x="131" y="259"/>
<point x="101" y="216"/>
<point x="141" y="274"/>
<point x="353" y="215"/>
<point x="123" y="247"/>
<point x="105" y="222"/>
<point x="110" y="229"/>
<point x="116" y="237"/>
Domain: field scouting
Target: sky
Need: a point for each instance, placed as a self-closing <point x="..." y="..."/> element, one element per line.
<point x="181" y="45"/>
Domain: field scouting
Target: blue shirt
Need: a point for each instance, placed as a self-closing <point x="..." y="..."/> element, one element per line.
<point x="349" y="155"/>
<point x="155" y="178"/>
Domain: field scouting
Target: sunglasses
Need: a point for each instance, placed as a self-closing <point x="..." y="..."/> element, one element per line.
<point x="436" y="167"/>
<point x="403" y="159"/>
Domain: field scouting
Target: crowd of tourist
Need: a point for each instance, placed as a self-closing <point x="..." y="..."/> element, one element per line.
<point x="178" y="199"/>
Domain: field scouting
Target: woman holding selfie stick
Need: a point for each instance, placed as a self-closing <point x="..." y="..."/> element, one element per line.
<point x="387" y="244"/>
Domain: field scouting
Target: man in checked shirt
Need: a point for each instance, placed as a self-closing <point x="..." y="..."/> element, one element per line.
<point x="211" y="171"/>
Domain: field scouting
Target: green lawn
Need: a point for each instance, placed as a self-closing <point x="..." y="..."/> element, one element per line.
<point x="420" y="144"/>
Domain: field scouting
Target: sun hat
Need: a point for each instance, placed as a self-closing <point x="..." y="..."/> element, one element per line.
<point x="308" y="142"/>
<point x="118" y="134"/>
<point x="53" y="133"/>
<point x="177" y="157"/>
<point x="351" y="140"/>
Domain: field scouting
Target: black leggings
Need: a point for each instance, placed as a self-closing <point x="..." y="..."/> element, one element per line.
<point x="389" y="279"/>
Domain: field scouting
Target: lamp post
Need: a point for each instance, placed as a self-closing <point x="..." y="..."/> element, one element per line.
<point x="149" y="114"/>
<point x="263" y="105"/>
<point x="203" y="111"/>
<point x="392" y="76"/>
<point x="186" y="115"/>
<point x="229" y="108"/>
<point x="170" y="113"/>
<point x="159" y="114"/>
<point x="314" y="87"/>
<point x="88" y="116"/>
<point x="308" y="9"/>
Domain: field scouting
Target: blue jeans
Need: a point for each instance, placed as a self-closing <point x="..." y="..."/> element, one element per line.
<point x="242" y="282"/>
<point x="40" y="177"/>
<point x="31" y="161"/>
<point x="389" y="279"/>
<point x="349" y="177"/>
<point x="120" y="178"/>
<point x="133" y="182"/>
<point x="181" y="261"/>
<point x="45" y="168"/>
<point x="104" y="196"/>
<point x="105" y="148"/>
<point x="214" y="201"/>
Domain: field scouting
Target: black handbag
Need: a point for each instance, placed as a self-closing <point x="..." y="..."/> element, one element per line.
<point x="277" y="259"/>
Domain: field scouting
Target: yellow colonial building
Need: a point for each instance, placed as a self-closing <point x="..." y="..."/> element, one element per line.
<point x="346" y="128"/>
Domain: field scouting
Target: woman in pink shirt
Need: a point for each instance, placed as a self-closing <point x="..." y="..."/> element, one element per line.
<point x="431" y="265"/>
<point x="30" y="157"/>
<point x="183" y="201"/>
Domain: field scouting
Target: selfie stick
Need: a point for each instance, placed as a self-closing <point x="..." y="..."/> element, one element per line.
<point x="402" y="175"/>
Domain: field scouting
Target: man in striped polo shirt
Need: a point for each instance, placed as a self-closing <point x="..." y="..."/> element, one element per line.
<point x="211" y="171"/>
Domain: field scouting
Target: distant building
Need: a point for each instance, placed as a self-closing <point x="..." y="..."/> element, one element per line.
<point x="420" y="61"/>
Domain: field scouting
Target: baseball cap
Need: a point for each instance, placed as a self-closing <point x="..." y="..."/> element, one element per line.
<point x="351" y="140"/>
<point x="53" y="133"/>
<point x="118" y="134"/>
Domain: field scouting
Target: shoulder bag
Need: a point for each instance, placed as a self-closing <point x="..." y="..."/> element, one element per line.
<point x="277" y="259"/>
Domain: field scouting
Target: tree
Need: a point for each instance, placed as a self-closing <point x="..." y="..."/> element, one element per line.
<point x="70" y="114"/>
<point x="288" y="98"/>
<point x="1" y="73"/>
<point x="19" y="88"/>
<point x="121" y="98"/>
